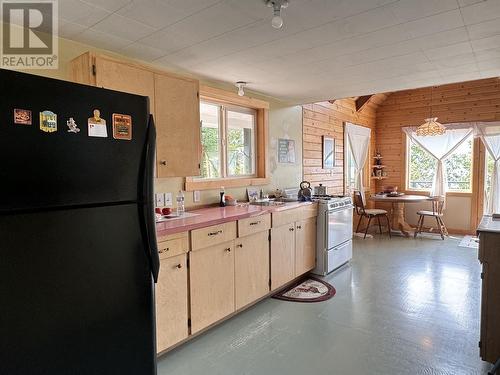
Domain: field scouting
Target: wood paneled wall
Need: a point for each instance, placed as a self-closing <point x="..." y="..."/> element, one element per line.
<point x="461" y="102"/>
<point x="327" y="119"/>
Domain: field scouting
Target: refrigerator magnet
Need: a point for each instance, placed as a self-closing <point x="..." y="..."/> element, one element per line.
<point x="97" y="125"/>
<point x="72" y="126"/>
<point x="22" y="117"/>
<point x="48" y="121"/>
<point x="122" y="126"/>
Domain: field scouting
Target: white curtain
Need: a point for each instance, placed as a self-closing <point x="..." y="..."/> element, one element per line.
<point x="489" y="132"/>
<point x="440" y="147"/>
<point x="358" y="141"/>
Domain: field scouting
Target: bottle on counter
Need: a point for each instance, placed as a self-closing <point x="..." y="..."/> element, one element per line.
<point x="222" y="202"/>
<point x="180" y="203"/>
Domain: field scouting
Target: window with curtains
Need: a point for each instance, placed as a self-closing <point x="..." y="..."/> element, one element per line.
<point x="360" y="135"/>
<point x="228" y="141"/>
<point x="421" y="168"/>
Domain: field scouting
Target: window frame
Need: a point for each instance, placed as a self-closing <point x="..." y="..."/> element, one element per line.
<point x="261" y="110"/>
<point x="406" y="168"/>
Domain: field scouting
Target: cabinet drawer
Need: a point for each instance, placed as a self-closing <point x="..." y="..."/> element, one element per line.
<point x="285" y="217"/>
<point x="308" y="211"/>
<point x="167" y="249"/>
<point x="254" y="225"/>
<point x="216" y="234"/>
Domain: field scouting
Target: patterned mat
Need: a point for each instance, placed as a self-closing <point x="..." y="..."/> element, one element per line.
<point x="469" y="241"/>
<point x="309" y="289"/>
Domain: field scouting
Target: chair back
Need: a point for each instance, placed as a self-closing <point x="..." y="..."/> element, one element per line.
<point x="359" y="202"/>
<point x="438" y="205"/>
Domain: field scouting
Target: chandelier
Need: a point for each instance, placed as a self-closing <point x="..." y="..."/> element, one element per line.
<point x="431" y="126"/>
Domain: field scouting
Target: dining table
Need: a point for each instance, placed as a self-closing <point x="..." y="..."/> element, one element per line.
<point x="398" y="202"/>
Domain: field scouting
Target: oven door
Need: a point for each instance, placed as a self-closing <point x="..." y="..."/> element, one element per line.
<point x="339" y="226"/>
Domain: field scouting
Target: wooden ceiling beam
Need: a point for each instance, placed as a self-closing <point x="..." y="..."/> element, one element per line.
<point x="361" y="101"/>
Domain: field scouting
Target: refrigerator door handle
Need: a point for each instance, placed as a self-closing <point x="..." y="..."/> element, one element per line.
<point x="147" y="195"/>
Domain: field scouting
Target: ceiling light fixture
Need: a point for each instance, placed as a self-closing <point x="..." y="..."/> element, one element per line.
<point x="240" y="85"/>
<point x="277" y="5"/>
<point x="431" y="126"/>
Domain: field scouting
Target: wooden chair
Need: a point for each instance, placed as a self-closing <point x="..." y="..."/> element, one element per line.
<point x="369" y="213"/>
<point x="437" y="213"/>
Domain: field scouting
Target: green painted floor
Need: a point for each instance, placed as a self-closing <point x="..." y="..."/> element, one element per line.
<point x="403" y="306"/>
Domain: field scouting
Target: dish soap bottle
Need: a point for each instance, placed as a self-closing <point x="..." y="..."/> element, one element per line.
<point x="180" y="203"/>
<point x="222" y="202"/>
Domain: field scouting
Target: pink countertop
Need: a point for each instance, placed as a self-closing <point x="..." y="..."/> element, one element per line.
<point x="218" y="215"/>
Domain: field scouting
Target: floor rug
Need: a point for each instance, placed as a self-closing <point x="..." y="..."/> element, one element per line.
<point x="309" y="289"/>
<point x="469" y="241"/>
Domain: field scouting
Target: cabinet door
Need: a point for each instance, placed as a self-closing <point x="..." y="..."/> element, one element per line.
<point x="172" y="302"/>
<point x="305" y="246"/>
<point x="118" y="76"/>
<point x="282" y="255"/>
<point x="251" y="268"/>
<point x="211" y="284"/>
<point x="178" y="126"/>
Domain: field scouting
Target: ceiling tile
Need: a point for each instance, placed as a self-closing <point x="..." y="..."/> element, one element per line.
<point x="448" y="51"/>
<point x="79" y="12"/>
<point x="110" y="5"/>
<point x="123" y="27"/>
<point x="166" y="40"/>
<point x="101" y="40"/>
<point x="464" y="3"/>
<point x="466" y="58"/>
<point x="211" y="22"/>
<point x="142" y="52"/>
<point x="480" y="12"/>
<point x="409" y="10"/>
<point x="486" y="43"/>
<point x="434" y="24"/>
<point x="69" y="29"/>
<point x="484" y="29"/>
<point x="154" y="13"/>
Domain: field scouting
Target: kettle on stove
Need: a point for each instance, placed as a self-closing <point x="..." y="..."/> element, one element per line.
<point x="305" y="191"/>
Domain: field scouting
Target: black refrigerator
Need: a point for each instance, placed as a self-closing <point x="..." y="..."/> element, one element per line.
<point x="78" y="257"/>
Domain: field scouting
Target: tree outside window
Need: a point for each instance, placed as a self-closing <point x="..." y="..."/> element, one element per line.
<point x="422" y="168"/>
<point x="228" y="141"/>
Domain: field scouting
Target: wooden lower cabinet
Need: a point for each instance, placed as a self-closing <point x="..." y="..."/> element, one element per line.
<point x="282" y="255"/>
<point x="172" y="302"/>
<point x="211" y="284"/>
<point x="251" y="268"/>
<point x="305" y="245"/>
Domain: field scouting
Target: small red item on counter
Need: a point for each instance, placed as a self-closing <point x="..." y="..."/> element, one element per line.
<point x="166" y="211"/>
<point x="158" y="210"/>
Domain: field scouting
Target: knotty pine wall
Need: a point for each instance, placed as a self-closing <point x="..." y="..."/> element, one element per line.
<point x="327" y="119"/>
<point x="461" y="102"/>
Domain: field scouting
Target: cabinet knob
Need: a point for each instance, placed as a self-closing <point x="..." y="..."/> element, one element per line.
<point x="240" y="245"/>
<point x="291" y="229"/>
<point x="299" y="227"/>
<point x="228" y="249"/>
<point x="163" y="162"/>
<point x="179" y="266"/>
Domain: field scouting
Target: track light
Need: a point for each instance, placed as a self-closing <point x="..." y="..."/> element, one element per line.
<point x="240" y="85"/>
<point x="277" y="5"/>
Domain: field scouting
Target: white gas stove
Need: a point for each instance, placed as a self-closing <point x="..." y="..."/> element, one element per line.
<point x="334" y="233"/>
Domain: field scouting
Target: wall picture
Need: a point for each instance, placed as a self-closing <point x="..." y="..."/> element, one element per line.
<point x="286" y="151"/>
<point x="328" y="152"/>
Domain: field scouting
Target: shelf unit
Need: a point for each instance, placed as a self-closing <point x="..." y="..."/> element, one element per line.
<point x="378" y="169"/>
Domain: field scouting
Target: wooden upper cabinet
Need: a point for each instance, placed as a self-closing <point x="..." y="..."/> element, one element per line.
<point x="178" y="126"/>
<point x="173" y="100"/>
<point x="118" y="76"/>
<point x="113" y="74"/>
